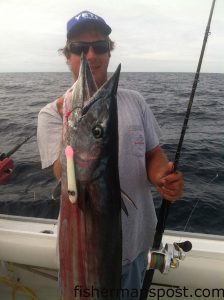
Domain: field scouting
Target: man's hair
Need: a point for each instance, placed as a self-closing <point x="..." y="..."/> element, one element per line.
<point x="66" y="52"/>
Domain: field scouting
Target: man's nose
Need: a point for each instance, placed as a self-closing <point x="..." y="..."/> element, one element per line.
<point x="90" y="54"/>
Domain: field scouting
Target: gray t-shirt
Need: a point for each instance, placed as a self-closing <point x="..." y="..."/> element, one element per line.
<point x="138" y="133"/>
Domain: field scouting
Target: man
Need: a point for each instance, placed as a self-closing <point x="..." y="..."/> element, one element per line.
<point x="140" y="157"/>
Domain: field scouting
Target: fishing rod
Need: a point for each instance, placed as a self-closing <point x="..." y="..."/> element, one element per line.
<point x="164" y="209"/>
<point x="14" y="149"/>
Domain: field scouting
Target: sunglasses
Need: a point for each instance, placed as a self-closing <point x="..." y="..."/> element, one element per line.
<point x="99" y="47"/>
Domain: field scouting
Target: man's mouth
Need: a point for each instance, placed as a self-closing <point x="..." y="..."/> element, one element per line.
<point x="94" y="68"/>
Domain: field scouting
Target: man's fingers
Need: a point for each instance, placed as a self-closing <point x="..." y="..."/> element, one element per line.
<point x="173" y="177"/>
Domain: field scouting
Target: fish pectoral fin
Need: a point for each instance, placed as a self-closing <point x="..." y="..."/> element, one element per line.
<point x="123" y="206"/>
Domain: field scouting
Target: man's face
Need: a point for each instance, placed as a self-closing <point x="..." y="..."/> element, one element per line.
<point x="98" y="62"/>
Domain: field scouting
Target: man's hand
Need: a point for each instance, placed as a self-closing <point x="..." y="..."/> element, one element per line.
<point x="170" y="185"/>
<point x="160" y="174"/>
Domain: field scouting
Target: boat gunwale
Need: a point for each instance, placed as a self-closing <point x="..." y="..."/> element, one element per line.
<point x="181" y="234"/>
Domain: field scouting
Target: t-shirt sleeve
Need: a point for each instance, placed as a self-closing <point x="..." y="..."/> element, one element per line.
<point x="49" y="134"/>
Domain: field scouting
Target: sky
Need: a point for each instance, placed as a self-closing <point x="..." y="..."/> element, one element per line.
<point x="150" y="35"/>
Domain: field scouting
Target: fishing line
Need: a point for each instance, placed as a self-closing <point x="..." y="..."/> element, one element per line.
<point x="200" y="193"/>
<point x="194" y="207"/>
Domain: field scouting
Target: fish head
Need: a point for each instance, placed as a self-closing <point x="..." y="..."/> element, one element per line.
<point x="96" y="134"/>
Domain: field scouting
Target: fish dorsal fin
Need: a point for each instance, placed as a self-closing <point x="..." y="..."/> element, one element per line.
<point x="111" y="84"/>
<point x="109" y="87"/>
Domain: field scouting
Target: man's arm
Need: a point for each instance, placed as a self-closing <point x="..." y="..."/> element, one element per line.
<point x="57" y="164"/>
<point x="160" y="174"/>
<point x="57" y="169"/>
<point x="49" y="134"/>
<point x="59" y="105"/>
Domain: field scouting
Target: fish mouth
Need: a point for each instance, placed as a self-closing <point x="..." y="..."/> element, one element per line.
<point x="85" y="163"/>
<point x="85" y="159"/>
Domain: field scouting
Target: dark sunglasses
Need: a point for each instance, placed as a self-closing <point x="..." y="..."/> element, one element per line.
<point x="99" y="47"/>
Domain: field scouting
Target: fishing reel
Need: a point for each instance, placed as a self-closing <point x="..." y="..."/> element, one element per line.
<point x="6" y="169"/>
<point x="168" y="257"/>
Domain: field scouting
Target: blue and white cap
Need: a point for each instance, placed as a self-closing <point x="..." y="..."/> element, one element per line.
<point x="84" y="17"/>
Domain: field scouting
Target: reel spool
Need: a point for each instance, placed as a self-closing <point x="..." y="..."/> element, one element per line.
<point x="168" y="257"/>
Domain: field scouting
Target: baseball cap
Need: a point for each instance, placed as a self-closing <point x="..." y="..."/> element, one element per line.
<point x="84" y="17"/>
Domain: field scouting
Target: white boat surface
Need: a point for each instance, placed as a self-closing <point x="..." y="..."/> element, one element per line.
<point x="28" y="257"/>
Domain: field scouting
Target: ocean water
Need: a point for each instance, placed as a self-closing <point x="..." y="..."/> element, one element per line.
<point x="201" y="208"/>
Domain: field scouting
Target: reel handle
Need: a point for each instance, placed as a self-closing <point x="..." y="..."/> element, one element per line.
<point x="185" y="246"/>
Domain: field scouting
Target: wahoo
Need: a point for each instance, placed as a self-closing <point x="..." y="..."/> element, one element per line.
<point x="90" y="236"/>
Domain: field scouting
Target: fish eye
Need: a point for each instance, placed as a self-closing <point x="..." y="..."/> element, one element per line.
<point x="97" y="131"/>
